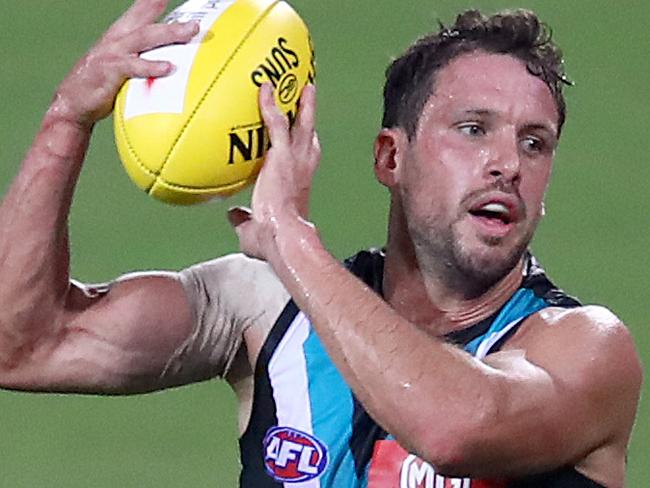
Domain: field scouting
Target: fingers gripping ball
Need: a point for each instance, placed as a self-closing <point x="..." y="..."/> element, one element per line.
<point x="198" y="133"/>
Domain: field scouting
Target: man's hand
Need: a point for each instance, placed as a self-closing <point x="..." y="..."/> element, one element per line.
<point x="281" y="195"/>
<point x="87" y="94"/>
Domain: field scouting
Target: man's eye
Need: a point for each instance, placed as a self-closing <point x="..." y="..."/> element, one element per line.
<point x="471" y="129"/>
<point x="533" y="144"/>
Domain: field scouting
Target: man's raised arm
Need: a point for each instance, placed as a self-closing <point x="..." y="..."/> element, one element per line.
<point x="55" y="335"/>
<point x="571" y="389"/>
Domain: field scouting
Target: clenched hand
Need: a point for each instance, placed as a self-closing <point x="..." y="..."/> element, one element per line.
<point x="281" y="194"/>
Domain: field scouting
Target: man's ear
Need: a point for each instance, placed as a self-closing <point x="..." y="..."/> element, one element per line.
<point x="389" y="153"/>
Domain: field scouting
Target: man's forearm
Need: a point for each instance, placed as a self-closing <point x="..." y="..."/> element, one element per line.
<point x="386" y="360"/>
<point x="34" y="234"/>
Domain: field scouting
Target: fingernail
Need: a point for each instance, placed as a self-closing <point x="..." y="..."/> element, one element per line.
<point x="164" y="67"/>
<point x="188" y="26"/>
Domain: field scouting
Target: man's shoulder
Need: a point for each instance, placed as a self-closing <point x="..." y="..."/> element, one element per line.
<point x="591" y="320"/>
<point x="589" y="343"/>
<point x="585" y="324"/>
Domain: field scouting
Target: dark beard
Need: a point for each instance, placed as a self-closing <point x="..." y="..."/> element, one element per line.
<point x="440" y="252"/>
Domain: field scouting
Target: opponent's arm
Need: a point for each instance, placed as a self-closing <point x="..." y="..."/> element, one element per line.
<point x="53" y="335"/>
<point x="508" y="416"/>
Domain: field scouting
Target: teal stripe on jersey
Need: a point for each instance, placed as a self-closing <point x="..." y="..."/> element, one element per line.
<point x="332" y="410"/>
<point x="331" y="402"/>
<point x="522" y="304"/>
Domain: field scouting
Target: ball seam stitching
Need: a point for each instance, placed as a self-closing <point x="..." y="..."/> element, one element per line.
<point x="134" y="154"/>
<point x="226" y="187"/>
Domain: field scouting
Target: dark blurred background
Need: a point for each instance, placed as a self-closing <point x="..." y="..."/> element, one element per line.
<point x="593" y="241"/>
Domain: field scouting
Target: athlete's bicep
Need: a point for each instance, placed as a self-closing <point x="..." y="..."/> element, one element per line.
<point x="114" y="338"/>
<point x="148" y="331"/>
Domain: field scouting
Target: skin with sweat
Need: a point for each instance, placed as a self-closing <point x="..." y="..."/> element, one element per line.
<point x="489" y="147"/>
<point x="466" y="195"/>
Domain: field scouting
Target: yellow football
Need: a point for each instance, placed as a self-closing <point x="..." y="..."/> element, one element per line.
<point x="198" y="133"/>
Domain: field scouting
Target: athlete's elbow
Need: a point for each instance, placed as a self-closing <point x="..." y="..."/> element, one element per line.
<point x="447" y="453"/>
<point x="15" y="348"/>
<point x="13" y="364"/>
<point x="452" y="456"/>
<point x="27" y="344"/>
<point x="454" y="449"/>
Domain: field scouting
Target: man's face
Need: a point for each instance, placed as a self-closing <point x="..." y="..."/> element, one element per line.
<point x="474" y="176"/>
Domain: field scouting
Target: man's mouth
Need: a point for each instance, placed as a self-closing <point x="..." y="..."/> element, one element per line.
<point x="493" y="211"/>
<point x="496" y="213"/>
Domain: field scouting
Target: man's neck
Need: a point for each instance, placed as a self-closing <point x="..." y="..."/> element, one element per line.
<point x="430" y="304"/>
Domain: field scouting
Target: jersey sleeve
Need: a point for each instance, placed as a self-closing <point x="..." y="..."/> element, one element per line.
<point x="226" y="296"/>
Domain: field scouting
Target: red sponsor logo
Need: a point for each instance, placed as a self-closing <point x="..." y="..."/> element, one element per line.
<point x="392" y="467"/>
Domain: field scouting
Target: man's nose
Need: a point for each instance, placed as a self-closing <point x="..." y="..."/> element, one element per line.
<point x="504" y="161"/>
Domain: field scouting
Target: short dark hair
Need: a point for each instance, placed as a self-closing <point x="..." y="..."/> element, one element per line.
<point x="519" y="33"/>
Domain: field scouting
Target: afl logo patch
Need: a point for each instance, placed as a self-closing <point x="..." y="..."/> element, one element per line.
<point x="292" y="456"/>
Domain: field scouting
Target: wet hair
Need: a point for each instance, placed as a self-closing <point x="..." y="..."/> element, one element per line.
<point x="410" y="78"/>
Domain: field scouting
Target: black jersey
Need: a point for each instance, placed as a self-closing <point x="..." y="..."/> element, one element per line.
<point x="307" y="427"/>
